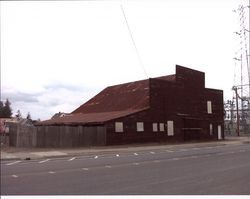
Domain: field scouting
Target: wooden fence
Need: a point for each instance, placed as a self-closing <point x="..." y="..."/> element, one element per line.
<point x="56" y="136"/>
<point x="22" y="135"/>
<point x="70" y="136"/>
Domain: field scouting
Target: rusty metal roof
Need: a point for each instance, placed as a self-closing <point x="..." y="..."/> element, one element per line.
<point x="167" y="78"/>
<point x="113" y="102"/>
<point x="88" y="118"/>
<point x="133" y="95"/>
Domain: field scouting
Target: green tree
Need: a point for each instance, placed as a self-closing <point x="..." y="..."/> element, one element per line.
<point x="5" y="109"/>
<point x="19" y="114"/>
<point x="28" y="116"/>
<point x="1" y="109"/>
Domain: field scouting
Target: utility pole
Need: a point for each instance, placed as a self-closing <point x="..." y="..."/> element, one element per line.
<point x="237" y="112"/>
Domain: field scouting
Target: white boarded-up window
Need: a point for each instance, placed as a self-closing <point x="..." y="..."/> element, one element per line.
<point x="219" y="132"/>
<point x="209" y="107"/>
<point x="119" y="127"/>
<point x="170" y="128"/>
<point x="155" y="127"/>
<point x="211" y="129"/>
<point x="139" y="126"/>
<point x="161" y="127"/>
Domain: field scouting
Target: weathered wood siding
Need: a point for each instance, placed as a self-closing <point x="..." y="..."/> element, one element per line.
<point x="70" y="136"/>
<point x="22" y="135"/>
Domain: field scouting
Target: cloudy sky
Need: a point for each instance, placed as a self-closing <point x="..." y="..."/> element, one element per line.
<point x="55" y="55"/>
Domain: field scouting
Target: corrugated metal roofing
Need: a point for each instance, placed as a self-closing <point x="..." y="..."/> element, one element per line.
<point x="113" y="102"/>
<point x="89" y="118"/>
<point x="133" y="95"/>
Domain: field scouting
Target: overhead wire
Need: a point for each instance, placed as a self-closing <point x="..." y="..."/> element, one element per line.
<point x="134" y="44"/>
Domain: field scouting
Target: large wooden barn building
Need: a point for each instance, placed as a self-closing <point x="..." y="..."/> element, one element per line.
<point x="168" y="108"/>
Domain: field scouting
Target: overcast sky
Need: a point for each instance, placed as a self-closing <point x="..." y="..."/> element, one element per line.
<point x="55" y="55"/>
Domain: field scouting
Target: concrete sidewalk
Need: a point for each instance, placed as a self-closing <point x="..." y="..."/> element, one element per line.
<point x="12" y="153"/>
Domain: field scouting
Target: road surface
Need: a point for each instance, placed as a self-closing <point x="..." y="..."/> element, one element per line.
<point x="222" y="169"/>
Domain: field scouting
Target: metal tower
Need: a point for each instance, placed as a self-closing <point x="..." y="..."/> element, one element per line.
<point x="241" y="87"/>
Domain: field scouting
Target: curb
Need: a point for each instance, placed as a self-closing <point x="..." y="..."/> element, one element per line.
<point x="124" y="149"/>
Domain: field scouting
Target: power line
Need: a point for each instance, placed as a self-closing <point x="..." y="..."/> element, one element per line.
<point x="242" y="73"/>
<point x="133" y="41"/>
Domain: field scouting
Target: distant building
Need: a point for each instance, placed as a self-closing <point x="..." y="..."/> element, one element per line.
<point x="6" y="122"/>
<point x="59" y="114"/>
<point x="164" y="109"/>
<point x="4" y="125"/>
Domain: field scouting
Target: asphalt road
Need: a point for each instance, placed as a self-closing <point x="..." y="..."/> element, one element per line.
<point x="205" y="170"/>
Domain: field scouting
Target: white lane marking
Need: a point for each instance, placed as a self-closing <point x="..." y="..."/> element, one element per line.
<point x="225" y="153"/>
<point x="183" y="149"/>
<point x="231" y="152"/>
<point x="72" y="159"/>
<point x="135" y="153"/>
<point x="174" y="158"/>
<point x="13" y="163"/>
<point x="108" y="166"/>
<point x="136" y="163"/>
<point x="52" y="172"/>
<point x="14" y="176"/>
<point x="169" y="151"/>
<point x="152" y="152"/>
<point x="193" y="156"/>
<point x="44" y="161"/>
<point x="96" y="157"/>
<point x="184" y="158"/>
<point x="85" y="169"/>
<point x="156" y="161"/>
<point x="117" y="155"/>
<point x="196" y="148"/>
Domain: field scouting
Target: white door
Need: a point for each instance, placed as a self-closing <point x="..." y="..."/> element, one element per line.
<point x="219" y="132"/>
